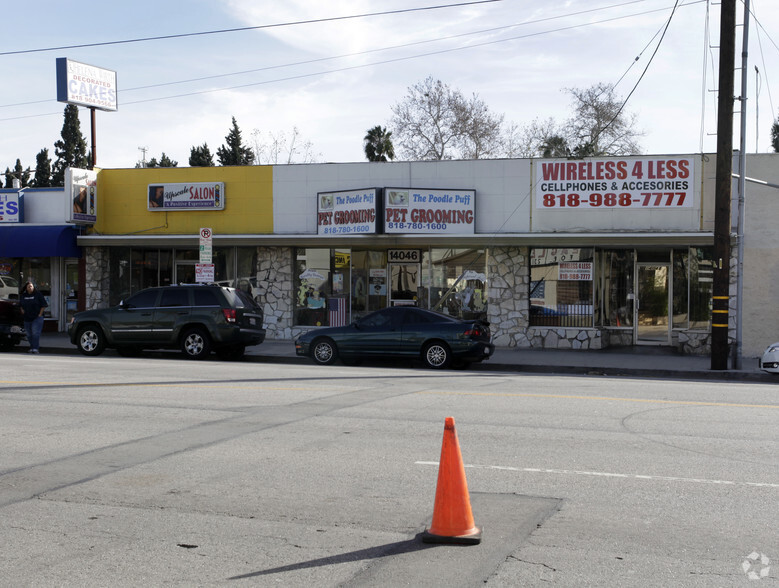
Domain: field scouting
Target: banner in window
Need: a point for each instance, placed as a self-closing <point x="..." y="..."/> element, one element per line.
<point x="575" y="270"/>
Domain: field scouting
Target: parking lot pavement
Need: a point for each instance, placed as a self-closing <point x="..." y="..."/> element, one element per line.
<point x="659" y="362"/>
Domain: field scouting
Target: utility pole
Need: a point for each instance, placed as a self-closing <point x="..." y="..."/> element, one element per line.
<point x="721" y="286"/>
<point x="143" y="160"/>
<point x="742" y="159"/>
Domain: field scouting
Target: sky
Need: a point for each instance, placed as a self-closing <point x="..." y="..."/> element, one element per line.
<point x="333" y="80"/>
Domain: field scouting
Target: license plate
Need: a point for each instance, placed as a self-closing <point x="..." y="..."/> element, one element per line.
<point x="15" y="329"/>
<point x="252" y="321"/>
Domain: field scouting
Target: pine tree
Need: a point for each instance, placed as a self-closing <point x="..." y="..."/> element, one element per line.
<point x="18" y="173"/>
<point x="234" y="152"/>
<point x="71" y="151"/>
<point x="42" y="177"/>
<point x="164" y="161"/>
<point x="201" y="156"/>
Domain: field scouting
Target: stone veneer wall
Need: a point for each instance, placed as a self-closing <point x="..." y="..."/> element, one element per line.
<point x="509" y="308"/>
<point x="275" y="283"/>
<point x="98" y="277"/>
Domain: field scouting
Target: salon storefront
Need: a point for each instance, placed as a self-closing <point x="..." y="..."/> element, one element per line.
<point x="554" y="253"/>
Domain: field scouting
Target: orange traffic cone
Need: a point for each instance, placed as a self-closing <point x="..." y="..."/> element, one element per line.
<point x="452" y="516"/>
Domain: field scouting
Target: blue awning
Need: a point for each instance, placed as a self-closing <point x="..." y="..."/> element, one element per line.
<point x="39" y="241"/>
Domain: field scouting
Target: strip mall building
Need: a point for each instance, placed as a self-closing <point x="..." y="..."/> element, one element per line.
<point x="557" y="254"/>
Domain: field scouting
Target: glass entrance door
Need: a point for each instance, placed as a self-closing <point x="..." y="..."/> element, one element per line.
<point x="652" y="326"/>
<point x="185" y="272"/>
<point x="404" y="284"/>
<point x="70" y="291"/>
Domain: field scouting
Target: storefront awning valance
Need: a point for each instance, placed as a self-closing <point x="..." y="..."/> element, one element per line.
<point x="39" y="241"/>
<point x="583" y="239"/>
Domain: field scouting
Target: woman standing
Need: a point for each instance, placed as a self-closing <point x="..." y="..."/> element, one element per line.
<point x="33" y="304"/>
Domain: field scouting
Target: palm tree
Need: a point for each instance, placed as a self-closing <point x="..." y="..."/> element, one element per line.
<point x="555" y="146"/>
<point x="378" y="144"/>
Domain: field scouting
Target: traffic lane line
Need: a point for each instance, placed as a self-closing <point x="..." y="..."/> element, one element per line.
<point x="608" y="398"/>
<point x="610" y="475"/>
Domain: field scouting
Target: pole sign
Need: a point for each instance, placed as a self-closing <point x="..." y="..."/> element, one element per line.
<point x="204" y="272"/>
<point x="85" y="85"/>
<point x="206" y="245"/>
<point x="449" y="212"/>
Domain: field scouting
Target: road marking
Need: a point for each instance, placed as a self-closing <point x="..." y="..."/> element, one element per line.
<point x="611" y="475"/>
<point x="580" y="397"/>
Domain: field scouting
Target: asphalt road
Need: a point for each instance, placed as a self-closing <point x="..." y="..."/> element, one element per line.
<point x="161" y="471"/>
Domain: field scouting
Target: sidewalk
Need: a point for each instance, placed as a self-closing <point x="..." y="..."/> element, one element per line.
<point x="649" y="362"/>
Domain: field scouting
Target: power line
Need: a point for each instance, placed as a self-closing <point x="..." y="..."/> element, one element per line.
<point x="402" y="46"/>
<point x="252" y="28"/>
<point x="384" y="62"/>
<point x="624" y="103"/>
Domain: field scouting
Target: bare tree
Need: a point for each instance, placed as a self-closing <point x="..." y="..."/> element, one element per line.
<point x="599" y="125"/>
<point x="276" y="148"/>
<point x="425" y="122"/>
<point x="531" y="140"/>
<point x="435" y="121"/>
<point x="479" y="134"/>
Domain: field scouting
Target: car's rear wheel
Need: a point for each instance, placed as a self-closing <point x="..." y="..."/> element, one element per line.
<point x="195" y="343"/>
<point x="324" y="351"/>
<point x="91" y="340"/>
<point x="231" y="352"/>
<point x="437" y="355"/>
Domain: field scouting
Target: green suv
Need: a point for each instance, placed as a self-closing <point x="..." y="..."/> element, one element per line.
<point x="195" y="318"/>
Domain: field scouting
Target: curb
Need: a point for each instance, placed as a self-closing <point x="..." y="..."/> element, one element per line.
<point x="564" y="370"/>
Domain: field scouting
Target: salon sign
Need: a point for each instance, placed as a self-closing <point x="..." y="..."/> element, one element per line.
<point x="190" y="196"/>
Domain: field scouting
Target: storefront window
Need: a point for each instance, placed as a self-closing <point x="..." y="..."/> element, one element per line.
<point x="457" y="282"/>
<point x="368" y="281"/>
<point x="701" y="284"/>
<point x="681" y="290"/>
<point x="312" y="286"/>
<point x="618" y="297"/>
<point x="38" y="270"/>
<point x="561" y="287"/>
<point x="10" y="277"/>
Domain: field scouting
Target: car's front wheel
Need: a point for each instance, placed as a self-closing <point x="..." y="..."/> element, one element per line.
<point x="195" y="343"/>
<point x="91" y="340"/>
<point x="437" y="355"/>
<point x="324" y="351"/>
